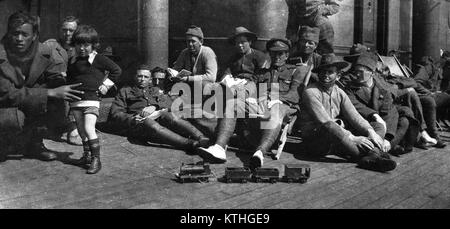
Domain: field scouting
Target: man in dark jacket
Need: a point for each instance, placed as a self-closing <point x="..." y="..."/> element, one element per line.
<point x="143" y="111"/>
<point x="374" y="99"/>
<point x="31" y="95"/>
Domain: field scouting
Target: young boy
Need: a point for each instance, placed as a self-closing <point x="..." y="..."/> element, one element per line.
<point x="88" y="67"/>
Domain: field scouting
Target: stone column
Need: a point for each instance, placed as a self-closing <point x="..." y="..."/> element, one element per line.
<point x="271" y="18"/>
<point x="426" y="30"/>
<point x="153" y="32"/>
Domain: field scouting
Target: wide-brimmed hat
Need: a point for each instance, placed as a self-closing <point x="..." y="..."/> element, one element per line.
<point x="309" y="34"/>
<point x="195" y="31"/>
<point x="368" y="60"/>
<point x="331" y="60"/>
<point x="242" y="31"/>
<point x="278" y="44"/>
<point x="355" y="52"/>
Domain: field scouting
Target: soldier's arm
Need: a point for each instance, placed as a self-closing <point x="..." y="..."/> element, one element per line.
<point x="210" y="67"/>
<point x="293" y="94"/>
<point x="313" y="105"/>
<point x="29" y="100"/>
<point x="118" y="112"/>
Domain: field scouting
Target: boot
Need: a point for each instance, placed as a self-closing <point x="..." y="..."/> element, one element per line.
<point x="185" y="128"/>
<point x="96" y="165"/>
<point x="373" y="161"/>
<point x="169" y="137"/>
<point x="37" y="150"/>
<point x="86" y="158"/>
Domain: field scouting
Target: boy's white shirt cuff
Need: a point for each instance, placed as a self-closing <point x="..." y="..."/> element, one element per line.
<point x="108" y="83"/>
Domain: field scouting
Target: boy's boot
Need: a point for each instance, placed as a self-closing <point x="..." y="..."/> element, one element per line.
<point x="86" y="158"/>
<point x="96" y="165"/>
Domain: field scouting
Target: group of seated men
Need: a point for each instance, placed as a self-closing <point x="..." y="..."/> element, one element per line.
<point x="354" y="109"/>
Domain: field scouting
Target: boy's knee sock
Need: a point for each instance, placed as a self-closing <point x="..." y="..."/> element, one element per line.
<point x="86" y="147"/>
<point x="94" y="146"/>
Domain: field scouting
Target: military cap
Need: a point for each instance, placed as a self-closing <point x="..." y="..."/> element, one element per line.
<point x="278" y="44"/>
<point x="309" y="34"/>
<point x="242" y="31"/>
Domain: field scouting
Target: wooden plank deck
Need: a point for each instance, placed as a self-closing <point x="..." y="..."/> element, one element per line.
<point x="139" y="176"/>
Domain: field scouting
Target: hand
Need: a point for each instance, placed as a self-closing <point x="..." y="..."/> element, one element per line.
<point x="386" y="146"/>
<point x="363" y="143"/>
<point x="147" y="111"/>
<point x="65" y="92"/>
<point x="103" y="89"/>
<point x="376" y="139"/>
<point x="138" y="118"/>
<point x="184" y="79"/>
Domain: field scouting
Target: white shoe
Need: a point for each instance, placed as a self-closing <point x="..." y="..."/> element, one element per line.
<point x="427" y="139"/>
<point x="257" y="160"/>
<point x="215" y="154"/>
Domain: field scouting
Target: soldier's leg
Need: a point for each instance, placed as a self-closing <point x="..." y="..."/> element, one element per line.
<point x="182" y="127"/>
<point x="12" y="123"/>
<point x="160" y="133"/>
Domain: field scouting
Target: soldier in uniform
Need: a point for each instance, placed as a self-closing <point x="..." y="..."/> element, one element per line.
<point x="66" y="51"/>
<point x="31" y="94"/>
<point x="326" y="114"/>
<point x="143" y="111"/>
<point x="306" y="55"/>
<point x="281" y="78"/>
<point x="374" y="99"/>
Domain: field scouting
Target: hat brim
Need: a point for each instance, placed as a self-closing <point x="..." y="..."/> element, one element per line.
<point x="278" y="50"/>
<point x="270" y="42"/>
<point x="340" y="65"/>
<point x="352" y="58"/>
<point x="251" y="37"/>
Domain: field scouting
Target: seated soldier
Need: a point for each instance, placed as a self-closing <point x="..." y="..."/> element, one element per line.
<point x="374" y="99"/>
<point x="323" y="103"/>
<point x="306" y="47"/>
<point x="286" y="79"/>
<point x="243" y="65"/>
<point x="427" y="75"/>
<point x="143" y="110"/>
<point x="408" y="96"/>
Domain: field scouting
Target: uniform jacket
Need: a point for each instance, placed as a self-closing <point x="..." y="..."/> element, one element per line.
<point x="288" y="77"/>
<point x="130" y="101"/>
<point x="379" y="101"/>
<point x="244" y="66"/>
<point x="29" y="93"/>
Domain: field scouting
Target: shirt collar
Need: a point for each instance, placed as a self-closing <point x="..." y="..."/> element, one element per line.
<point x="92" y="57"/>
